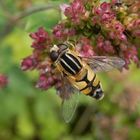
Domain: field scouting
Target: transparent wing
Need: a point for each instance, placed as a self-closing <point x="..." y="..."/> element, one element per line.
<point x="70" y="97"/>
<point x="69" y="106"/>
<point x="104" y="63"/>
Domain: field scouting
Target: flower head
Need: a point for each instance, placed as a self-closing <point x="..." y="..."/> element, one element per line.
<point x="97" y="28"/>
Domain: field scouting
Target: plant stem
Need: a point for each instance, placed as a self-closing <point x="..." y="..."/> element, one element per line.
<point x="33" y="10"/>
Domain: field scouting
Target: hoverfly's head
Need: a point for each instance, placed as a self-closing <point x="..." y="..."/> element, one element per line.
<point x="56" y="50"/>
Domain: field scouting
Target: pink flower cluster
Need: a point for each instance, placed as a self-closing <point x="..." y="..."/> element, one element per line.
<point x="134" y="27"/>
<point x="131" y="54"/>
<point x="111" y="29"/>
<point x="104" y="12"/>
<point x="40" y="46"/>
<point x="104" y="46"/>
<point x="28" y="63"/>
<point x="60" y="31"/>
<point x="76" y="11"/>
<point x="41" y="39"/>
<point x="85" y="48"/>
<point x="40" y="61"/>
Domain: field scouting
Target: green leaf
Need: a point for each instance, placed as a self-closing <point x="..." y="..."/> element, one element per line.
<point x="47" y="19"/>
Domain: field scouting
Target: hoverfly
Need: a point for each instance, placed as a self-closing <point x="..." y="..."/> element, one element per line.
<point x="79" y="75"/>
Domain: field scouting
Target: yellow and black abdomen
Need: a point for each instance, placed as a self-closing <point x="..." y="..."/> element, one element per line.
<point x="88" y="83"/>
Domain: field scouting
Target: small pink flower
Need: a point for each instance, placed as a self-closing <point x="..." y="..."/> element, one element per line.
<point x="108" y="47"/>
<point x="37" y="45"/>
<point x="134" y="26"/>
<point x="61" y="32"/>
<point x="41" y="39"/>
<point x="84" y="48"/>
<point x="28" y="63"/>
<point x="58" y="30"/>
<point x="63" y="7"/>
<point x="40" y="36"/>
<point x="87" y="51"/>
<point x="119" y="27"/>
<point x="105" y="6"/>
<point x="104" y="12"/>
<point x="131" y="54"/>
<point x="45" y="82"/>
<point x="3" y="80"/>
<point x="122" y="37"/>
<point x="112" y="35"/>
<point x="104" y="46"/>
<point x="76" y="11"/>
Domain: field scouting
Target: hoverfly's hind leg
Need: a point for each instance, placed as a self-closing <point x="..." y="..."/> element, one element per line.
<point x="71" y="44"/>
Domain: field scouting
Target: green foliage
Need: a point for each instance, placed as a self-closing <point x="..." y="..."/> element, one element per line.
<point x="44" y="20"/>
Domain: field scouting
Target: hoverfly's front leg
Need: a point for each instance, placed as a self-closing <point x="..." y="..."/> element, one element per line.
<point x="71" y="44"/>
<point x="58" y="71"/>
<point x="72" y="47"/>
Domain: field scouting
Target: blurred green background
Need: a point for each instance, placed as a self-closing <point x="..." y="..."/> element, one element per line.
<point x="27" y="113"/>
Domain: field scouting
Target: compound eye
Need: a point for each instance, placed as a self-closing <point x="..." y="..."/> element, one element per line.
<point x="53" y="55"/>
